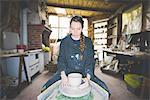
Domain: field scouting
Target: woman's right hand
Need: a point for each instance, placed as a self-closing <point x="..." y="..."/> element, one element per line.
<point x="64" y="79"/>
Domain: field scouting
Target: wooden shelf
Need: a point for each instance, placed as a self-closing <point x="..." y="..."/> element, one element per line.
<point x="99" y="33"/>
<point x="112" y="26"/>
<point x="100" y="30"/>
<point x="112" y="36"/>
<point x="99" y="38"/>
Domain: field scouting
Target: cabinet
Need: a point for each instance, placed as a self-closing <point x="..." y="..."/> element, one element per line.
<point x="34" y="63"/>
<point x="114" y="30"/>
<point x="100" y="38"/>
<point x="100" y="34"/>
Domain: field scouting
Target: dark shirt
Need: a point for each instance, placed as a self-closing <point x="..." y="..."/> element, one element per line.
<point x="69" y="60"/>
<point x="69" y="56"/>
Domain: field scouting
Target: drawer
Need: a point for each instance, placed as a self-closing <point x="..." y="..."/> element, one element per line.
<point x="34" y="69"/>
<point x="33" y="58"/>
<point x="33" y="62"/>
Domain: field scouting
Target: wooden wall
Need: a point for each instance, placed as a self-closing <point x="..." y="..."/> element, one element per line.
<point x="9" y="16"/>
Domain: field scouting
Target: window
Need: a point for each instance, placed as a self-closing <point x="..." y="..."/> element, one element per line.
<point x="133" y="19"/>
<point x="53" y="20"/>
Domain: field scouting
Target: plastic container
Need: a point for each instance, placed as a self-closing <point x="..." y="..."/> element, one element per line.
<point x="21" y="48"/>
<point x="133" y="80"/>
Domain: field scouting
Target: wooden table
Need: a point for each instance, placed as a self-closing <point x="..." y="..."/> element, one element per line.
<point x="129" y="55"/>
<point x="144" y="60"/>
<point x="21" y="63"/>
<point x="126" y="52"/>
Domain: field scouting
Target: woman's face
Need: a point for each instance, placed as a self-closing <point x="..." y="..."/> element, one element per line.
<point x="75" y="28"/>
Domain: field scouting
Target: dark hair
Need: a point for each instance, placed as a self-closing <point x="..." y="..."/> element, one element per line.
<point x="82" y="44"/>
<point x="77" y="19"/>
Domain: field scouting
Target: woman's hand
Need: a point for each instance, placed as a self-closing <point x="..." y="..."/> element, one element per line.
<point x="88" y="77"/>
<point x="64" y="79"/>
<point x="86" y="82"/>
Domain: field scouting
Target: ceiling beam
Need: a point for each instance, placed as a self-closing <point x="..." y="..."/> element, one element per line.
<point x="125" y="7"/>
<point x="118" y="1"/>
<point x="132" y="4"/>
<point x="82" y="8"/>
<point x="65" y="15"/>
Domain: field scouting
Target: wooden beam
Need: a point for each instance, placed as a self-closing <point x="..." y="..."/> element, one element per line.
<point x="119" y="1"/>
<point x="132" y="4"/>
<point x="82" y="8"/>
<point x="65" y="15"/>
<point x="126" y="7"/>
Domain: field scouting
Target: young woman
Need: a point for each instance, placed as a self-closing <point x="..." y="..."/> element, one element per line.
<point x="76" y="55"/>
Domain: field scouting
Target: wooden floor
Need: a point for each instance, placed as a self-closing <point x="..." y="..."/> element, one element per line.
<point x="116" y="86"/>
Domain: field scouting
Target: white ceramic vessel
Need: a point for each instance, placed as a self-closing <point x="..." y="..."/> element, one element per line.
<point x="75" y="79"/>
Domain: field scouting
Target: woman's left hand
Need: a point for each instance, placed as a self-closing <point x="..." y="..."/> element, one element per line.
<point x="86" y="83"/>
